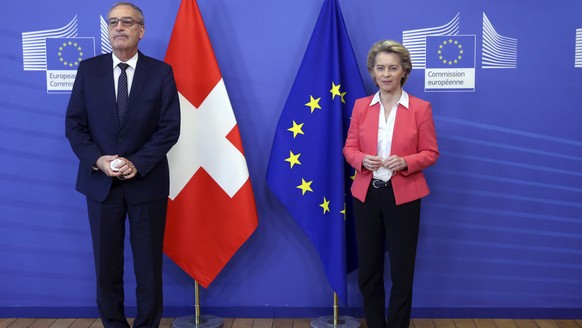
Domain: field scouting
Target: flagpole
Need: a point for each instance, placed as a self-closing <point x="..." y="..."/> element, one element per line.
<point x="196" y="303"/>
<point x="197" y="320"/>
<point x="336" y="320"/>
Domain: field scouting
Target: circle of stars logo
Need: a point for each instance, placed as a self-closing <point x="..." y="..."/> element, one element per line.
<point x="70" y="49"/>
<point x="454" y="52"/>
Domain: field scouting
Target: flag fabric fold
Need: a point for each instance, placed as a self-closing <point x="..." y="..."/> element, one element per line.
<point x="306" y="170"/>
<point x="211" y="207"/>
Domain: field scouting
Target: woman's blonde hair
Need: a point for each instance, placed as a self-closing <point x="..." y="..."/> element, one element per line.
<point x="391" y="47"/>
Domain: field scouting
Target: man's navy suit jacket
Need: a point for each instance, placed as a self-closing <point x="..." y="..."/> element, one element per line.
<point x="150" y="128"/>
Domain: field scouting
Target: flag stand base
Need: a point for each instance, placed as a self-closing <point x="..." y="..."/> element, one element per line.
<point x="206" y="321"/>
<point x="342" y="321"/>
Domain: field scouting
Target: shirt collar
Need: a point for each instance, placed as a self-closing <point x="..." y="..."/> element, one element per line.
<point x="132" y="62"/>
<point x="404" y="101"/>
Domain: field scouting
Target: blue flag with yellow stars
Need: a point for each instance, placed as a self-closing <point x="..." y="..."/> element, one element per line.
<point x="307" y="170"/>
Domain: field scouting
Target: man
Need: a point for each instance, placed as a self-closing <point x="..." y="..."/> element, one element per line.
<point x="122" y="119"/>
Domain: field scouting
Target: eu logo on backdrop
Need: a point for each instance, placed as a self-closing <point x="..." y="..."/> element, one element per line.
<point x="450" y="51"/>
<point x="450" y="63"/>
<point x="63" y="57"/>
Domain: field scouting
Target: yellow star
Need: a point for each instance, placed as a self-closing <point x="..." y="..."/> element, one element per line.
<point x="344" y="211"/>
<point x="325" y="205"/>
<point x="296" y="129"/>
<point x="293" y="159"/>
<point x="342" y="95"/>
<point x="313" y="103"/>
<point x="335" y="90"/>
<point x="305" y="186"/>
<point x="353" y="177"/>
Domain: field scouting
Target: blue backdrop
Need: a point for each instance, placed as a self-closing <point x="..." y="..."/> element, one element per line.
<point x="501" y="233"/>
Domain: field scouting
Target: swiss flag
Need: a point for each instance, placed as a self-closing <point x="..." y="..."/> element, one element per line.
<point x="211" y="210"/>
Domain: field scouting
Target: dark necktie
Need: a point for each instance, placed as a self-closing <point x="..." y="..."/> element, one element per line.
<point x="122" y="94"/>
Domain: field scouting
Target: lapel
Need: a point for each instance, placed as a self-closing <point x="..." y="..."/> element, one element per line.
<point x="371" y="126"/>
<point x="137" y="85"/>
<point x="106" y="79"/>
<point x="402" y="128"/>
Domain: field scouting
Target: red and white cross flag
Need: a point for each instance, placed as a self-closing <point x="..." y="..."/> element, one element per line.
<point x="211" y="210"/>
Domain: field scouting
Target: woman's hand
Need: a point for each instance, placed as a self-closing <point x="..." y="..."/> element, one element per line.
<point x="395" y="163"/>
<point x="372" y="163"/>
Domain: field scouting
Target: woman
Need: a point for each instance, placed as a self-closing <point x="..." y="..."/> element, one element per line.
<point x="390" y="141"/>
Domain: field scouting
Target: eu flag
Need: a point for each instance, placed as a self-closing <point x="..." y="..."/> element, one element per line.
<point x="307" y="171"/>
